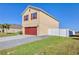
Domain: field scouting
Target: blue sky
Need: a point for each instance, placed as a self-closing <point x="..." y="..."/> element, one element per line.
<point x="66" y="14"/>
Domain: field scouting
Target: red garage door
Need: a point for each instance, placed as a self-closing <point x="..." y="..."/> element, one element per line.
<point x="31" y="30"/>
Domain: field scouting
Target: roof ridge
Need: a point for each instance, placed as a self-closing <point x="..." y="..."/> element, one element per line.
<point x="30" y="6"/>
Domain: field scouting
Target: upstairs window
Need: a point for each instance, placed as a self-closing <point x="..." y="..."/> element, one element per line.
<point x="26" y="17"/>
<point x="34" y="16"/>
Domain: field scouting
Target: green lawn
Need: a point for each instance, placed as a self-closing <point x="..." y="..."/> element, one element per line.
<point x="7" y="34"/>
<point x="49" y="46"/>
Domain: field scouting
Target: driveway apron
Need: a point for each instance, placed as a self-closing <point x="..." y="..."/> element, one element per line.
<point x="9" y="42"/>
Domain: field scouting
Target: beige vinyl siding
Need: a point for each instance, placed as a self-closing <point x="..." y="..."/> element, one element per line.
<point x="30" y="23"/>
<point x="45" y="23"/>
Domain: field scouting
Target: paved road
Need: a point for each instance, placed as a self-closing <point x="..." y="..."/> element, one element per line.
<point x="9" y="42"/>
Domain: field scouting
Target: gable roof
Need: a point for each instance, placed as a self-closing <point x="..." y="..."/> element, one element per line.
<point x="39" y="9"/>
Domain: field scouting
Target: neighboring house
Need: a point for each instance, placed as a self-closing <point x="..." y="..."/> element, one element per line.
<point x="77" y="33"/>
<point x="36" y="21"/>
<point x="12" y="29"/>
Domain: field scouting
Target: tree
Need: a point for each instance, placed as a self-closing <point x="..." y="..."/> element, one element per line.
<point x="4" y="27"/>
<point x="7" y="26"/>
<point x="0" y="27"/>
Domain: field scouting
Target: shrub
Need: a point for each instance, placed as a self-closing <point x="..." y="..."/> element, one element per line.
<point x="20" y="32"/>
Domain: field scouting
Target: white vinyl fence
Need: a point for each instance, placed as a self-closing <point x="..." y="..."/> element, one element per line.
<point x="61" y="32"/>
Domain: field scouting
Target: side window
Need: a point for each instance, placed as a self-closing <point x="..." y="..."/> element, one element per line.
<point x="34" y="15"/>
<point x="26" y="17"/>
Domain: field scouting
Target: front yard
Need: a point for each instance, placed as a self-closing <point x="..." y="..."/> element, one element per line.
<point x="49" y="46"/>
<point x="7" y="34"/>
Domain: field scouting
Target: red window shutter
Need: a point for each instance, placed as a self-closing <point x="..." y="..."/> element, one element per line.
<point x="26" y="17"/>
<point x="33" y="16"/>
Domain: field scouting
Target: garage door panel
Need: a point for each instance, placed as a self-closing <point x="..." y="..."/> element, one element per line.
<point x="31" y="30"/>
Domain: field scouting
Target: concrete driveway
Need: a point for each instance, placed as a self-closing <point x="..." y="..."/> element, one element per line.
<point x="9" y="42"/>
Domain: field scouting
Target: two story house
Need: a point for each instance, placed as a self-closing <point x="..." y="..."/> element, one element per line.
<point x="36" y="21"/>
